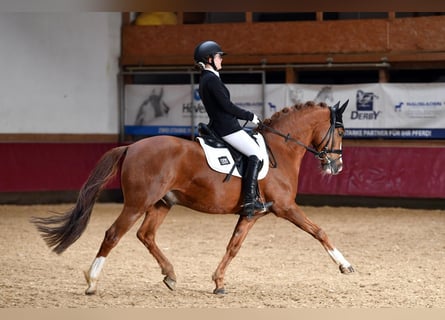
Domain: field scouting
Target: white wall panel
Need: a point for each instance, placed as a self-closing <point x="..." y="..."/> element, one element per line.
<point x="59" y="72"/>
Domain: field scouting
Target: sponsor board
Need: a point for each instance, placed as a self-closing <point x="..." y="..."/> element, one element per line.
<point x="381" y="110"/>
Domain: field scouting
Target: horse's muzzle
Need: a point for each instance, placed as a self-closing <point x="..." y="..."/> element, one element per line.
<point x="331" y="166"/>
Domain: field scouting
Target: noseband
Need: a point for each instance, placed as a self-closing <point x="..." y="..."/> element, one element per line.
<point x="328" y="139"/>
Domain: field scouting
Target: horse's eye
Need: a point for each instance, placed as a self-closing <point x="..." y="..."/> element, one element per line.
<point x="341" y="133"/>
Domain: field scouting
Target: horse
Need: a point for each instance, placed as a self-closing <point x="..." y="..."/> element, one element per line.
<point x="161" y="171"/>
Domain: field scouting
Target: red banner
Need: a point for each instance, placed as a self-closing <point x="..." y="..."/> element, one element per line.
<point x="48" y="166"/>
<point x="379" y="171"/>
<point x="415" y="172"/>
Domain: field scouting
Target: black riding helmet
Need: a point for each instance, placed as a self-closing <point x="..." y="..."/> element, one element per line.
<point x="205" y="50"/>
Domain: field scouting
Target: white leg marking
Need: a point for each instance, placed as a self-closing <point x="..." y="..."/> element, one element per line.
<point x="96" y="267"/>
<point x="93" y="275"/>
<point x="338" y="258"/>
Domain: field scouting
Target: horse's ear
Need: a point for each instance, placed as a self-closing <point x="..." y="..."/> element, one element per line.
<point x="335" y="107"/>
<point x="342" y="108"/>
<point x="338" y="115"/>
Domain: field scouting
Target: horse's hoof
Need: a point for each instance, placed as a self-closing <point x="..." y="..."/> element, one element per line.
<point x="90" y="291"/>
<point x="219" y="291"/>
<point x="346" y="270"/>
<point x="92" y="284"/>
<point x="170" y="283"/>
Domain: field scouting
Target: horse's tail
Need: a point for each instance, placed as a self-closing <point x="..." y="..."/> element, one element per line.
<point x="62" y="230"/>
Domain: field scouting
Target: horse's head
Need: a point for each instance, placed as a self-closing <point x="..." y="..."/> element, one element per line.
<point x="328" y="141"/>
<point x="312" y="124"/>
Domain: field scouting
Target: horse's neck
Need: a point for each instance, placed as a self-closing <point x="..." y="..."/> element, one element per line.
<point x="285" y="155"/>
<point x="297" y="125"/>
<point x="288" y="134"/>
<point x="300" y="128"/>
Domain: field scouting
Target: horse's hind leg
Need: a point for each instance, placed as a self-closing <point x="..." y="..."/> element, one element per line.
<point x="147" y="233"/>
<point x="123" y="223"/>
<point x="297" y="217"/>
<point x="239" y="234"/>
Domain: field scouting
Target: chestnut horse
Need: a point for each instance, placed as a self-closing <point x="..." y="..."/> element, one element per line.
<point x="161" y="171"/>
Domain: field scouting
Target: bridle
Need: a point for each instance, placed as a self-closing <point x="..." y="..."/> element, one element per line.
<point x="328" y="139"/>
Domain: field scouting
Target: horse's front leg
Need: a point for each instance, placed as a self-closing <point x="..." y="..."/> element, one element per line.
<point x="243" y="226"/>
<point x="295" y="215"/>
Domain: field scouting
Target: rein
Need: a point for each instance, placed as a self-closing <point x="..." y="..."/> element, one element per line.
<point x="287" y="137"/>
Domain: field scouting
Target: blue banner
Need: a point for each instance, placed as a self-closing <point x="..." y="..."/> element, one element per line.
<point x="379" y="133"/>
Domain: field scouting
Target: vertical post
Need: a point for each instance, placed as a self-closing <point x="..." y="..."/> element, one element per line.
<point x="126" y="18"/>
<point x="192" y="83"/>
<point x="180" y="17"/>
<point x="290" y="75"/>
<point x="383" y="75"/>
<point x="121" y="106"/>
<point x="263" y="93"/>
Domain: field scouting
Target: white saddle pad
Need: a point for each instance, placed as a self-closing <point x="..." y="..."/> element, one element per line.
<point x="220" y="159"/>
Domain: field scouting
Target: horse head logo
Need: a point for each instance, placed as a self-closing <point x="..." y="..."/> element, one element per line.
<point x="324" y="95"/>
<point x="365" y="100"/>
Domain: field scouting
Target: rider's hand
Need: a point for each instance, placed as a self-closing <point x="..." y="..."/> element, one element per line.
<point x="256" y="120"/>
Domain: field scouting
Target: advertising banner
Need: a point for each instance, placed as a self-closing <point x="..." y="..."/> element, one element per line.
<point x="158" y="109"/>
<point x="177" y="109"/>
<point x="380" y="110"/>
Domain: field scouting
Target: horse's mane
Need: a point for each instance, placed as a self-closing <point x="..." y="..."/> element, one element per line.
<point x="296" y="107"/>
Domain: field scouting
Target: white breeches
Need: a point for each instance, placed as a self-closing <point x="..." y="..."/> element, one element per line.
<point x="242" y="142"/>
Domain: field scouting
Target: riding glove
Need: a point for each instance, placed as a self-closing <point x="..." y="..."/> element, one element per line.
<point x="256" y="120"/>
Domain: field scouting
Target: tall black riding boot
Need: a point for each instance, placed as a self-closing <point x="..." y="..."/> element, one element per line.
<point x="250" y="185"/>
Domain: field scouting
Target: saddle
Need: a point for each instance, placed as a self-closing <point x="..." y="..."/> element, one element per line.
<point x="223" y="158"/>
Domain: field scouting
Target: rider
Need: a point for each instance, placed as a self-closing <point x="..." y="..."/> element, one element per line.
<point x="224" y="115"/>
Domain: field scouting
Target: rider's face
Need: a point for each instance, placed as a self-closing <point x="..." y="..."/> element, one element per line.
<point x="217" y="59"/>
